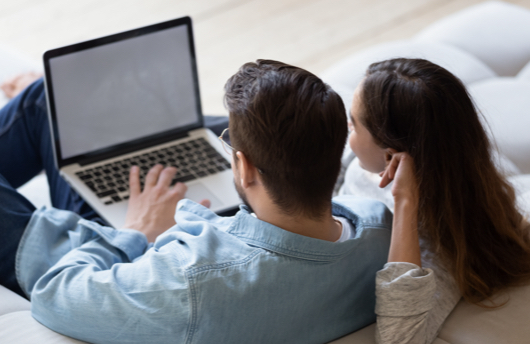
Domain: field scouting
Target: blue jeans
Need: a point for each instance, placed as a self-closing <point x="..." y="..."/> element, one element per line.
<point x="26" y="150"/>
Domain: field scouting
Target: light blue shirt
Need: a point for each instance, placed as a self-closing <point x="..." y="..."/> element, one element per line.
<point x="208" y="279"/>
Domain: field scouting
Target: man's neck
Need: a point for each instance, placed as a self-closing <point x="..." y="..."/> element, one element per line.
<point x="324" y="228"/>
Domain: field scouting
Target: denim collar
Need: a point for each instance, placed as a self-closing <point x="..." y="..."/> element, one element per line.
<point x="269" y="237"/>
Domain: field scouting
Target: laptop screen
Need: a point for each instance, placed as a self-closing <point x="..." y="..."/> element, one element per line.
<point x="123" y="91"/>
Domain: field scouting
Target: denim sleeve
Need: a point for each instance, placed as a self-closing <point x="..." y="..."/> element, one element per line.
<point x="101" y="293"/>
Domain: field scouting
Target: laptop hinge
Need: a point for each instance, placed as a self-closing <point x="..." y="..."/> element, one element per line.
<point x="128" y="148"/>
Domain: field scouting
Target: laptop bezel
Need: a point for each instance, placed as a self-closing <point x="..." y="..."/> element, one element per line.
<point x="134" y="145"/>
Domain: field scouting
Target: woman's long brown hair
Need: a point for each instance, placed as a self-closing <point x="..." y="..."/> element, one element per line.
<point x="467" y="212"/>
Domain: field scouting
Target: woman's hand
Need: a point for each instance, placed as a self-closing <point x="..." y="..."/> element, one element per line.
<point x="404" y="244"/>
<point x="151" y="211"/>
<point x="401" y="170"/>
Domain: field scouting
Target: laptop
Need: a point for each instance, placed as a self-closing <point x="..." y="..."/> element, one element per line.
<point x="132" y="98"/>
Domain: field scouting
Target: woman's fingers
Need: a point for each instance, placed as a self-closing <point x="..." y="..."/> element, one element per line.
<point x="405" y="185"/>
<point x="385" y="180"/>
<point x="390" y="171"/>
<point x="394" y="164"/>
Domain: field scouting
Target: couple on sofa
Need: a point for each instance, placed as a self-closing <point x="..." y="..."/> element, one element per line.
<point x="293" y="265"/>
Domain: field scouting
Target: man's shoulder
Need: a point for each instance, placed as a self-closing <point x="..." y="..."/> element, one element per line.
<point x="370" y="212"/>
<point x="201" y="238"/>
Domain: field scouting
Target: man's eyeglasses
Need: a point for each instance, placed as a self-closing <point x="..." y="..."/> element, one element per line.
<point x="225" y="138"/>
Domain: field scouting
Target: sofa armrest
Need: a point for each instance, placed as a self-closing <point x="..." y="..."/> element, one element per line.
<point x="21" y="328"/>
<point x="363" y="336"/>
<point x="11" y="302"/>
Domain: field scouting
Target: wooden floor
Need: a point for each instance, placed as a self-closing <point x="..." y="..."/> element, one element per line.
<point x="312" y="34"/>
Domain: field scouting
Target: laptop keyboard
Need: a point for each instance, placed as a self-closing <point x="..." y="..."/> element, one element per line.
<point x="193" y="159"/>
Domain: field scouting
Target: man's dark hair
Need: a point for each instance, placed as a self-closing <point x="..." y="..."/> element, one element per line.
<point x="293" y="128"/>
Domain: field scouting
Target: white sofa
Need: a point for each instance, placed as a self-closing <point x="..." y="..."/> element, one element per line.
<point x="488" y="47"/>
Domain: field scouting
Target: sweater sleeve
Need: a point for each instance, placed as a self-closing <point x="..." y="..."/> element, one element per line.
<point x="412" y="302"/>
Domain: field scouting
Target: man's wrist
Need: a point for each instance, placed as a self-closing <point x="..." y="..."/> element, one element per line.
<point x="139" y="227"/>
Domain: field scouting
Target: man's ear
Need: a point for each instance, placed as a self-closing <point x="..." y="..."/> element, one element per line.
<point x="247" y="171"/>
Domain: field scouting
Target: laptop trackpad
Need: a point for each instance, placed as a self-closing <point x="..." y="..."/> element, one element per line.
<point x="197" y="192"/>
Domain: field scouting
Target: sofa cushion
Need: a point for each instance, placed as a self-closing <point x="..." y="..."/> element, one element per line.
<point x="11" y="302"/>
<point x="345" y="75"/>
<point x="37" y="191"/>
<point x="363" y="336"/>
<point x="367" y="336"/>
<point x="495" y="32"/>
<point x="504" y="102"/>
<point x="525" y="72"/>
<point x="507" y="324"/>
<point x="21" y="328"/>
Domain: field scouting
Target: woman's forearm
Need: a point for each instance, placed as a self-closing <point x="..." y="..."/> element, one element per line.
<point x="405" y="245"/>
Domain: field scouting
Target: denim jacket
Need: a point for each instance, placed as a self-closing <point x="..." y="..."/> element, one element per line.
<point x="208" y="279"/>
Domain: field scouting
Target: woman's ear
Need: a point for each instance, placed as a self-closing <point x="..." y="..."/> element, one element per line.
<point x="389" y="152"/>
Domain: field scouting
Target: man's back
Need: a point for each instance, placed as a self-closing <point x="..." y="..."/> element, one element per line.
<point x="224" y="280"/>
<point x="288" y="288"/>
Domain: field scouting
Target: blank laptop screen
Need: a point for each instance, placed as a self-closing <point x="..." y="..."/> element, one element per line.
<point x="124" y="91"/>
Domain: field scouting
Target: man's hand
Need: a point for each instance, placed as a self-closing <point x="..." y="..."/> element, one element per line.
<point x="151" y="211"/>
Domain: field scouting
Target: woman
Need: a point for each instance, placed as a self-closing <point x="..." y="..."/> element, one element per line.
<point x="414" y="123"/>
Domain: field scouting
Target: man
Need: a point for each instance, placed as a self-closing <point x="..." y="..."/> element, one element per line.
<point x="289" y="267"/>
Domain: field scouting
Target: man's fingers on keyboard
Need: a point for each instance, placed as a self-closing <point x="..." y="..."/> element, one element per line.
<point x="166" y="176"/>
<point x="152" y="176"/>
<point x="179" y="189"/>
<point x="205" y="203"/>
<point x="134" y="180"/>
